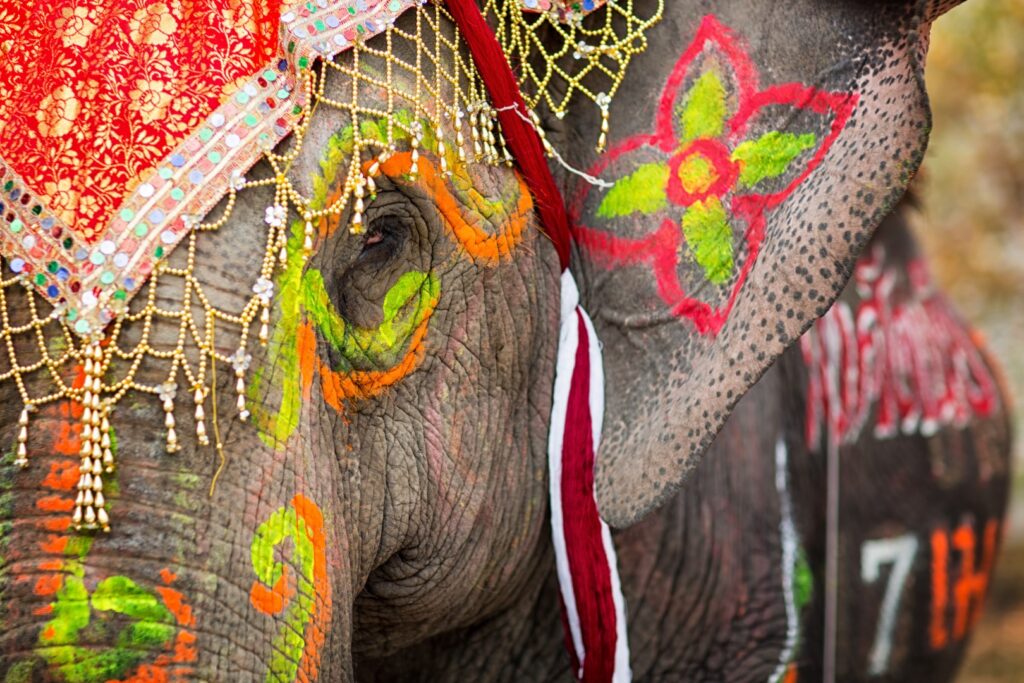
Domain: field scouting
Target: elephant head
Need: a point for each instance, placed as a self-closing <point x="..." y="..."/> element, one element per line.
<point x="390" y="483"/>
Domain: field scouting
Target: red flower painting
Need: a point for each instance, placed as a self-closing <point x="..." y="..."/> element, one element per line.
<point x="724" y="152"/>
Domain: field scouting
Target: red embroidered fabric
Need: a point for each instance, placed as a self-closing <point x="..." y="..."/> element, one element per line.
<point x="96" y="93"/>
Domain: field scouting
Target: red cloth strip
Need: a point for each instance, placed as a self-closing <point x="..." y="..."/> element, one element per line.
<point x="520" y="137"/>
<point x="588" y="563"/>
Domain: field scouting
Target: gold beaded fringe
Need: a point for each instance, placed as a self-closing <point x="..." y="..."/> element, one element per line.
<point x="450" y="98"/>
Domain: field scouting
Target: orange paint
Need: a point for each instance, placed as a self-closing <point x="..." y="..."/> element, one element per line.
<point x="57" y="524"/>
<point x="316" y="632"/>
<point x="175" y="602"/>
<point x="272" y="600"/>
<point x="63" y="474"/>
<point x="791" y="674"/>
<point x="971" y="585"/>
<point x="938" y="634"/>
<point x="306" y="348"/>
<point x="48" y="584"/>
<point x="167" y="576"/>
<point x="481" y="245"/>
<point x="55" y="504"/>
<point x="147" y="673"/>
<point x="341" y="386"/>
<point x="54" y="544"/>
<point x="970" y="589"/>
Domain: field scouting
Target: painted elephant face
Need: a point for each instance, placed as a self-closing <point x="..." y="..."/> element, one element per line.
<point x="404" y="390"/>
<point x="756" y="156"/>
<point x="390" y="483"/>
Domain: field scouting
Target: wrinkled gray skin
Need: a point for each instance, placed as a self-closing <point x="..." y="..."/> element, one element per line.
<point x="434" y="494"/>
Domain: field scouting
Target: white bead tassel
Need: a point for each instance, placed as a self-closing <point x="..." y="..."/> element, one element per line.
<point x="22" y="457"/>
<point x="96" y="454"/>
<point x="199" y="397"/>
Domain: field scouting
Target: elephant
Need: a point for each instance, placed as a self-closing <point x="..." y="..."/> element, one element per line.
<point x="807" y="478"/>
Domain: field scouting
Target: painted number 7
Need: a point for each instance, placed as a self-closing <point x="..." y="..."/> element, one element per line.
<point x="899" y="552"/>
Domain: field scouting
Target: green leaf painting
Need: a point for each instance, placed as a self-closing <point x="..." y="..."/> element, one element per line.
<point x="770" y="155"/>
<point x="642" y="191"/>
<point x="709" y="237"/>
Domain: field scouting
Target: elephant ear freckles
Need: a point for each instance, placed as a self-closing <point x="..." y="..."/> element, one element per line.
<point x="753" y="169"/>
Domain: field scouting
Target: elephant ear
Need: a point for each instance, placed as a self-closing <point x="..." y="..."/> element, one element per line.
<point x="765" y="143"/>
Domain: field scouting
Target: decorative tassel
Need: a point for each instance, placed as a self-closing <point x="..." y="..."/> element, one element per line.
<point x="585" y="557"/>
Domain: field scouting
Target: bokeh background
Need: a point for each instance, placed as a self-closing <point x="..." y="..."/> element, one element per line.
<point x="972" y="225"/>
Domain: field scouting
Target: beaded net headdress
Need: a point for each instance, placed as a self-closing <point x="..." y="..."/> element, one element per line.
<point x="86" y="330"/>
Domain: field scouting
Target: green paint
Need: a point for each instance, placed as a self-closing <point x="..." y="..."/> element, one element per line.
<point x="709" y="237"/>
<point x="770" y="155"/>
<point x="22" y="672"/>
<point x="79" y="617"/>
<point x="290" y="641"/>
<point x="276" y="424"/>
<point x="642" y="191"/>
<point x="803" y="580"/>
<point x="152" y="626"/>
<point x="414" y="293"/>
<point x="704" y="113"/>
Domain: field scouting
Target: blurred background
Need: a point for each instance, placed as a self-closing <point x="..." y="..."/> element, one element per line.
<point x="972" y="225"/>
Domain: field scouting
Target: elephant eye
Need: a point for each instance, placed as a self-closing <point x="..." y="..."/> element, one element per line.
<point x="384" y="238"/>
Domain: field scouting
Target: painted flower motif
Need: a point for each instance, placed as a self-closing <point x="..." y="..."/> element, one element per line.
<point x="717" y="161"/>
<point x="153" y="24"/>
<point x="150" y="99"/>
<point x="76" y="24"/>
<point x="57" y="112"/>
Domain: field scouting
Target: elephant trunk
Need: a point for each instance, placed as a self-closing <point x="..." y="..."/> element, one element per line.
<point x="234" y="582"/>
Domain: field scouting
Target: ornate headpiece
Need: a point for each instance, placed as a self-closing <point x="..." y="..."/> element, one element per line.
<point x="102" y="177"/>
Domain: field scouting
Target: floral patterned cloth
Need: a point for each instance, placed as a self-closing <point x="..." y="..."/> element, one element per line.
<point x="98" y="92"/>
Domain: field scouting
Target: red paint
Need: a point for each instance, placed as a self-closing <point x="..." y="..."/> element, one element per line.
<point x="658" y="250"/>
<point x="725" y="172"/>
<point x="907" y="360"/>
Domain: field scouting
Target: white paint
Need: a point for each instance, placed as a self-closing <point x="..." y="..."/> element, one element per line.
<point x="787" y="532"/>
<point x="899" y="552"/>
